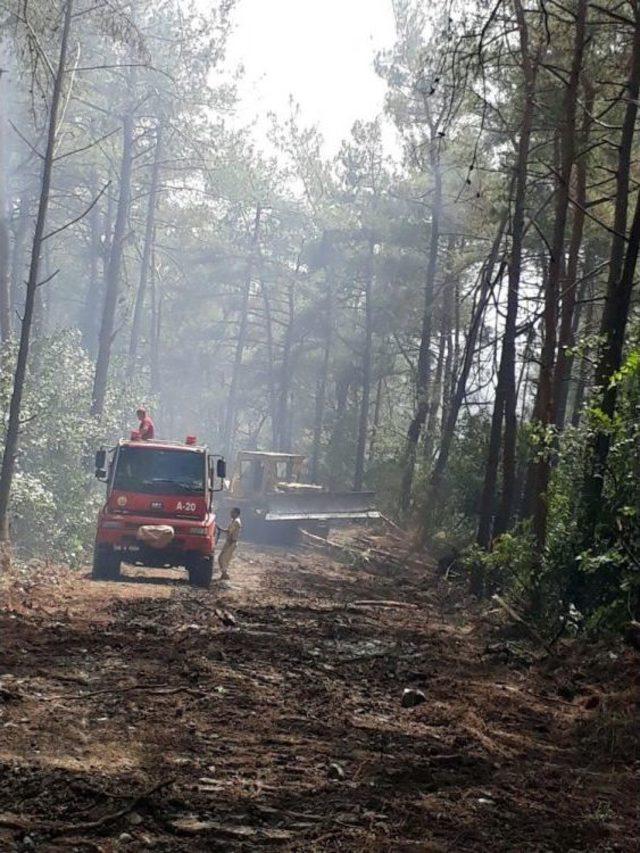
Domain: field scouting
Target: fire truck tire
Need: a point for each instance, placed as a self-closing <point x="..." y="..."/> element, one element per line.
<point x="106" y="564"/>
<point x="201" y="572"/>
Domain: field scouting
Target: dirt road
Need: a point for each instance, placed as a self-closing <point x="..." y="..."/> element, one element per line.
<point x="132" y="718"/>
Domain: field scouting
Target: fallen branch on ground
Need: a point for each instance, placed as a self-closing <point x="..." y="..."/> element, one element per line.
<point x="69" y="828"/>
<point x="13" y="821"/>
<point x="368" y="553"/>
<point x="392" y="524"/>
<point x="328" y="544"/>
<point x="533" y="633"/>
<point x="381" y="602"/>
<point x="56" y="830"/>
<point x="157" y="689"/>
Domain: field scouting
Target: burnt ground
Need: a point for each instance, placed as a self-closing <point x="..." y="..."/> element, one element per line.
<point x="132" y="718"/>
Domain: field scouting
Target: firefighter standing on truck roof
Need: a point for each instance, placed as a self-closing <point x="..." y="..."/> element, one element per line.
<point x="229" y="547"/>
<point x="146" y="428"/>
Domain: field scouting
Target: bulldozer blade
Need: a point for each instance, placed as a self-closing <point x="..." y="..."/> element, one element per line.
<point x="320" y="506"/>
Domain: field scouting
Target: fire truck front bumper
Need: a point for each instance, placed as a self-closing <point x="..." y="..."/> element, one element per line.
<point x="190" y="537"/>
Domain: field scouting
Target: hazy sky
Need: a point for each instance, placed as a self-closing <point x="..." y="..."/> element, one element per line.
<point x="319" y="51"/>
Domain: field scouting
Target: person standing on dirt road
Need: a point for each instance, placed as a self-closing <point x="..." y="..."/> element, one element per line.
<point x="229" y="547"/>
<point x="146" y="428"/>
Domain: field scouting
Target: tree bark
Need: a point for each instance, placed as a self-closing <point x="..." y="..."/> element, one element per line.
<point x="18" y="262"/>
<point x="136" y="324"/>
<point x="614" y="318"/>
<point x="336" y="442"/>
<point x="377" y="406"/>
<point x="436" y="388"/>
<point x="423" y="377"/>
<point x="89" y="320"/>
<point x="505" y="399"/>
<point x="5" y="300"/>
<point x="566" y="338"/>
<point x="452" y="312"/>
<point x="113" y="271"/>
<point x="15" y="406"/>
<point x="232" y="399"/>
<point x="545" y="401"/>
<point x="367" y="359"/>
<point x="156" y="325"/>
<point x="321" y="391"/>
<point x="440" y="382"/>
<point x="271" y="378"/>
<point x="448" y="431"/>
<point x="286" y="376"/>
<point x="584" y="369"/>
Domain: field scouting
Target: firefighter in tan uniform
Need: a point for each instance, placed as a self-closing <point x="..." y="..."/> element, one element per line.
<point x="229" y="547"/>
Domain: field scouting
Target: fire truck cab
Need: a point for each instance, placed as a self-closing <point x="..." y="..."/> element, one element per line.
<point x="159" y="509"/>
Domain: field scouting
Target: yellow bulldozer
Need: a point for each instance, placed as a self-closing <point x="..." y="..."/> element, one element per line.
<point x="276" y="504"/>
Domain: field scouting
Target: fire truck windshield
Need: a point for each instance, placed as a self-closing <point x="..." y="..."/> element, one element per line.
<point x="158" y="471"/>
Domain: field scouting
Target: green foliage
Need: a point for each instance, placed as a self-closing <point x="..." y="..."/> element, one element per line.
<point x="599" y="588"/>
<point x="55" y="498"/>
<point x="461" y="492"/>
<point x="510" y="565"/>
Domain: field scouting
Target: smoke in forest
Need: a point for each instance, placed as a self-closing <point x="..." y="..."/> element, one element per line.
<point x="440" y="307"/>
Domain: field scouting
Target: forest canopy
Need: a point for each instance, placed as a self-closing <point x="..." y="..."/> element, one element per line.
<point x="452" y="322"/>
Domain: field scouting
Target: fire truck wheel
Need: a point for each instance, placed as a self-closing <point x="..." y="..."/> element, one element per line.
<point x="106" y="564"/>
<point x="201" y="571"/>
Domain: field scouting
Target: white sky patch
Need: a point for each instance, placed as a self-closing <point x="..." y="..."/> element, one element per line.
<point x="320" y="52"/>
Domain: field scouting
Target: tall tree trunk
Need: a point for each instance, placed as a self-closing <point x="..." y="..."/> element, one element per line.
<point x="436" y="388"/>
<point x="18" y="261"/>
<point x="90" y="314"/>
<point x="42" y="307"/>
<point x="5" y="300"/>
<point x="156" y="325"/>
<point x="367" y="359"/>
<point x="286" y="375"/>
<point x="487" y="500"/>
<point x="582" y="378"/>
<point x="505" y="399"/>
<point x="375" y="426"/>
<point x="566" y="338"/>
<point x="271" y="376"/>
<point x="15" y="406"/>
<point x="136" y="324"/>
<point x="452" y="311"/>
<point x="617" y="309"/>
<point x="423" y="375"/>
<point x="321" y="391"/>
<point x="545" y="401"/>
<point x="585" y="326"/>
<point x="614" y="317"/>
<point x="336" y="442"/>
<point x="234" y="386"/>
<point x="448" y="430"/>
<point x="113" y="271"/>
<point x="440" y="385"/>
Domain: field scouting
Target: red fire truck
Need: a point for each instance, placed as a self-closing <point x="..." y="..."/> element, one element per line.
<point x="159" y="510"/>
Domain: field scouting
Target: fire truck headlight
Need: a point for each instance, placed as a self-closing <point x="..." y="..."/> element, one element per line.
<point x="197" y="531"/>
